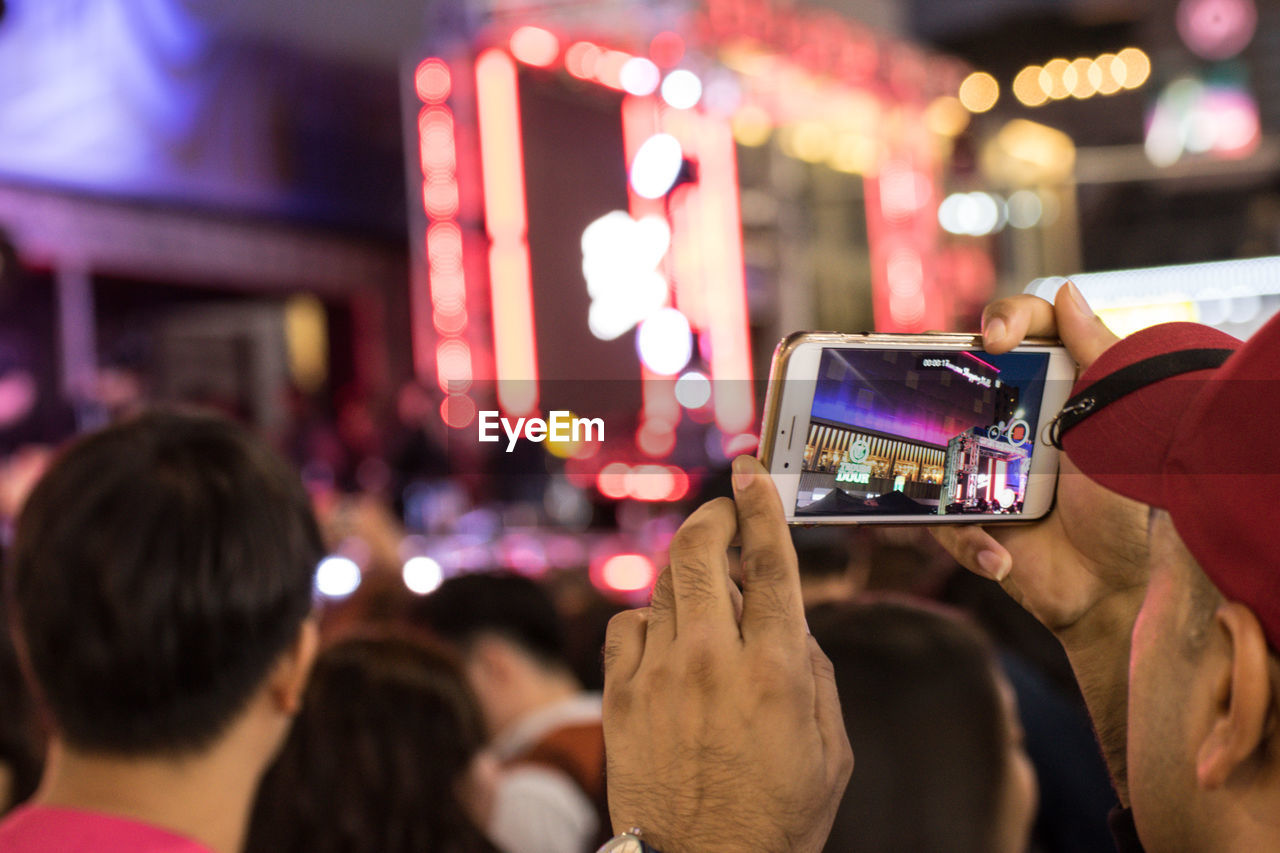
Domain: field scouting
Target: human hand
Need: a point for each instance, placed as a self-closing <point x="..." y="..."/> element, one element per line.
<point x="722" y="725"/>
<point x="1082" y="569"/>
<point x="1089" y="552"/>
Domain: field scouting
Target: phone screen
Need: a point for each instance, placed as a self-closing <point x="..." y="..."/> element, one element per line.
<point x="921" y="432"/>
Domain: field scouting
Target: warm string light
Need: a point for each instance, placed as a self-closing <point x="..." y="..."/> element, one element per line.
<point x="1081" y="78"/>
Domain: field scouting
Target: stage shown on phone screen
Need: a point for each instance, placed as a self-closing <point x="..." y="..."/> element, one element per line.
<point x="921" y="432"/>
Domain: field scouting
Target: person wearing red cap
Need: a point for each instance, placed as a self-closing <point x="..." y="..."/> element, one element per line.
<point x="1156" y="568"/>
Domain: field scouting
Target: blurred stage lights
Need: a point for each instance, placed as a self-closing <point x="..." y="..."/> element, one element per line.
<point x="693" y="390"/>
<point x="649" y="482"/>
<point x="977" y="214"/>
<point x="1082" y="77"/>
<point x="639" y="76"/>
<point x="664" y="342"/>
<point x="628" y="572"/>
<point x="337" y="577"/>
<point x="535" y="46"/>
<point x="656" y="166"/>
<point x="682" y="89"/>
<point x="422" y="575"/>
<point x="1217" y="29"/>
<point x="979" y="92"/>
<point x="1191" y="117"/>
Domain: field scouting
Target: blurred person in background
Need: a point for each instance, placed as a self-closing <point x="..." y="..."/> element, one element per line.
<point x="545" y="729"/>
<point x="1076" y="791"/>
<point x="940" y="762"/>
<point x="385" y="757"/>
<point x="832" y="567"/>
<point x="21" y="743"/>
<point x="160" y="587"/>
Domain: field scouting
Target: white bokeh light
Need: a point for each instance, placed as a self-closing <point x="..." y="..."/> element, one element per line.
<point x="656" y="166"/>
<point x="337" y="577"/>
<point x="620" y="260"/>
<point x="422" y="575"/>
<point x="682" y="89"/>
<point x="639" y="76"/>
<point x="975" y="214"/>
<point x="664" y="342"/>
<point x="693" y="390"/>
<point x="1025" y="209"/>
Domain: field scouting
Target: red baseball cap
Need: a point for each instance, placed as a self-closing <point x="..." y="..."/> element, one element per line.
<point x="1186" y="418"/>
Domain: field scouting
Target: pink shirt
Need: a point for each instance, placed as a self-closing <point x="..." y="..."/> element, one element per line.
<point x="44" y="829"/>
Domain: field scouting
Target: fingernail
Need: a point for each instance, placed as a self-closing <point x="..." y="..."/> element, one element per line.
<point x="1078" y="298"/>
<point x="993" y="565"/>
<point x="994" y="331"/>
<point x="744" y="473"/>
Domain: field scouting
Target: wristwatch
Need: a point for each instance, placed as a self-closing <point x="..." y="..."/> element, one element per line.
<point x="631" y="841"/>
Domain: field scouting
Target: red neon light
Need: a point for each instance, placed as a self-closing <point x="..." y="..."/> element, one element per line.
<point x="656" y="439"/>
<point x="440" y="199"/>
<point x="457" y="410"/>
<point x="666" y="50"/>
<point x="724" y="275"/>
<point x="581" y="58"/>
<point x="511" y="287"/>
<point x="446" y="299"/>
<point x="608" y="68"/>
<point x="432" y="81"/>
<point x="641" y="120"/>
<point x="628" y="573"/>
<point x="449" y="322"/>
<point x="453" y="366"/>
<point x="535" y="46"/>
<point x="612" y="481"/>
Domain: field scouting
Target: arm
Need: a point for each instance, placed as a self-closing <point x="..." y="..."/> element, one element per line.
<point x="1082" y="569"/>
<point x="722" y="725"/>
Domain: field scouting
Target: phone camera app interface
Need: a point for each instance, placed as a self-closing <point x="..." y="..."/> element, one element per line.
<point x="921" y="432"/>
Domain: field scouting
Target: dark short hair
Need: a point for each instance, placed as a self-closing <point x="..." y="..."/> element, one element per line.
<point x="375" y="758"/>
<point x="921" y="704"/>
<point x="509" y="605"/>
<point x="160" y="568"/>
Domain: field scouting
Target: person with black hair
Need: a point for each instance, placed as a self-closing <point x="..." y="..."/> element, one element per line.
<point x="546" y="730"/>
<point x="160" y="586"/>
<point x="941" y="766"/>
<point x="383" y="758"/>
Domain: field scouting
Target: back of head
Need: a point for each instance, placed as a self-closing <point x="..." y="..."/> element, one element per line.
<point x="375" y="759"/>
<point x="160" y="568"/>
<point x="505" y="604"/>
<point x="923" y="711"/>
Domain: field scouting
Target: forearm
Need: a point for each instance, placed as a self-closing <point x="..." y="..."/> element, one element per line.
<point x="1098" y="649"/>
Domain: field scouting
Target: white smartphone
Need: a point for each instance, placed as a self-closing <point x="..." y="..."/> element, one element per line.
<point x="902" y="429"/>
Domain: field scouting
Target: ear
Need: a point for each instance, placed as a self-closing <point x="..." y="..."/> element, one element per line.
<point x="1242" y="698"/>
<point x="289" y="681"/>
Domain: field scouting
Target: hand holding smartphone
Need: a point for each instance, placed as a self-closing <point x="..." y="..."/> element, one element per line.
<point x="901" y="429"/>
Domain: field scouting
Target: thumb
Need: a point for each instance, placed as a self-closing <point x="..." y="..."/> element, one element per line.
<point x="1081" y="330"/>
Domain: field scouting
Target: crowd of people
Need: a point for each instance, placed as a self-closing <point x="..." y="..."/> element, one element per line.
<point x="169" y="685"/>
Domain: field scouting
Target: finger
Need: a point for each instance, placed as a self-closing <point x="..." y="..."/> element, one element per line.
<point x="624" y="642"/>
<point x="826" y="706"/>
<point x="735" y="596"/>
<point x="1006" y="322"/>
<point x="1081" y="330"/>
<point x="975" y="549"/>
<point x="660" y="626"/>
<point x="771" y="601"/>
<point x="699" y="567"/>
